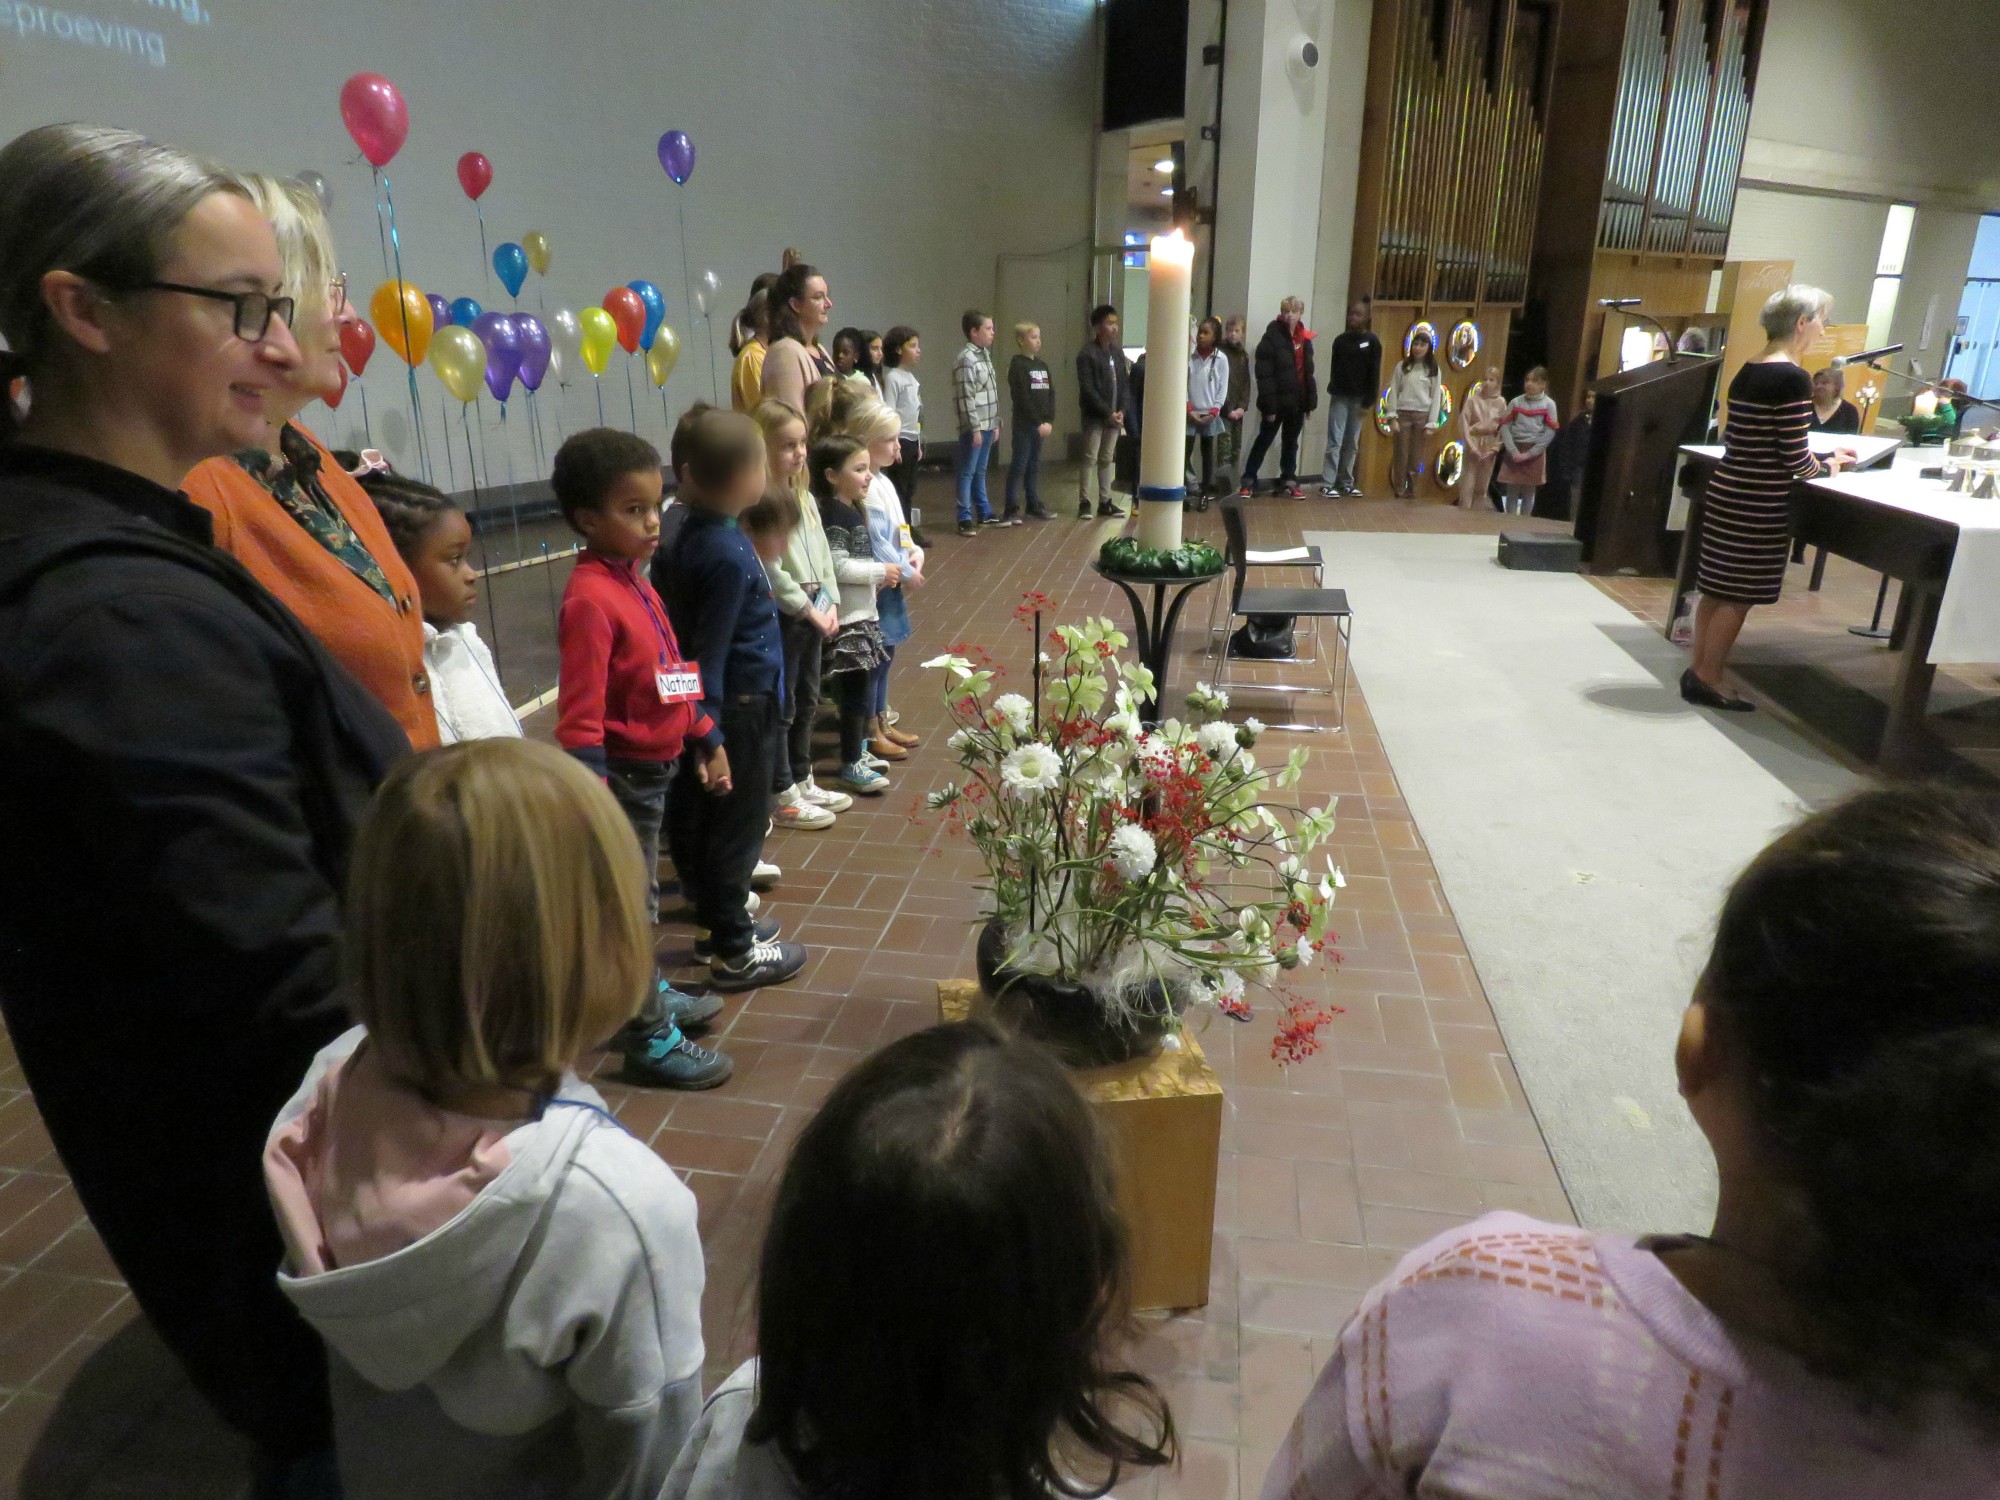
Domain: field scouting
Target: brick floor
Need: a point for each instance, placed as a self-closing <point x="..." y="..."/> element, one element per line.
<point x="1410" y="1121"/>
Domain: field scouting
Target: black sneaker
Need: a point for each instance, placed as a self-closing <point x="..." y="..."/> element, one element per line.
<point x="966" y="528"/>
<point x="1351" y="492"/>
<point x="1084" y="514"/>
<point x="991" y="521"/>
<point x="1109" y="512"/>
<point x="1331" y="492"/>
<point x="766" y="929"/>
<point x="671" y="1061"/>
<point x="765" y="963"/>
<point x="668" y="1008"/>
<point x="1041" y="515"/>
<point x="1010" y="518"/>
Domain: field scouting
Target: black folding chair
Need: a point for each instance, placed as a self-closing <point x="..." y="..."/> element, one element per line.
<point x="1308" y="604"/>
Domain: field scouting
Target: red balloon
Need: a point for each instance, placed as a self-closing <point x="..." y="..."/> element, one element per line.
<point x="475" y="174"/>
<point x="357" y="345"/>
<point x="629" y="313"/>
<point x="374" y="113"/>
<point x="335" y="397"/>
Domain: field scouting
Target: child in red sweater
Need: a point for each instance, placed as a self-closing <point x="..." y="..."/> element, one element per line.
<point x="627" y="704"/>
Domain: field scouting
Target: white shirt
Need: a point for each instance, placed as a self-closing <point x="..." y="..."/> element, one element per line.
<point x="465" y="686"/>
<point x="899" y="388"/>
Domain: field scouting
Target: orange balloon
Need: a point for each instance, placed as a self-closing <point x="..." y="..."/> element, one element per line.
<point x="402" y="318"/>
<point x="629" y="313"/>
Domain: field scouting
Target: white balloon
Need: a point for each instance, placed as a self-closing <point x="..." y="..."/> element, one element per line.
<point x="557" y="368"/>
<point x="565" y="334"/>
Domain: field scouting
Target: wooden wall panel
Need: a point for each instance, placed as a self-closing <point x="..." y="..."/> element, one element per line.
<point x="1392" y="321"/>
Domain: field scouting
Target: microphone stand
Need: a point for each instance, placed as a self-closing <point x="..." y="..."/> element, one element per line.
<point x="1673" y="352"/>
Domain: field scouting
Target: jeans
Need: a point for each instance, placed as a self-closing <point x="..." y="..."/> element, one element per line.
<point x="1288" y="459"/>
<point x="641" y="789"/>
<point x="878" y="687"/>
<point x="972" y="462"/>
<point x="851" y="693"/>
<point x="804" y="650"/>
<point x="1100" y="453"/>
<point x="716" y="840"/>
<point x="1346" y="418"/>
<point x="1024" y="464"/>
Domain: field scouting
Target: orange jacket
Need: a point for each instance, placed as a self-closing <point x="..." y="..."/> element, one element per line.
<point x="380" y="643"/>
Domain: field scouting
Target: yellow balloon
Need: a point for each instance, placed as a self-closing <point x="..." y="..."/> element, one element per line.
<point x="664" y="355"/>
<point x="398" y="308"/>
<point x="460" y="360"/>
<point x="540" y="251"/>
<point x="600" y="337"/>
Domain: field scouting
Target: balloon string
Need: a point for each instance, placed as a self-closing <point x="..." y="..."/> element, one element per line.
<point x="485" y="463"/>
<point x="513" y="494"/>
<point x="403" y="313"/>
<point x="549" y="576"/>
<point x="630" y="399"/>
<point x="485" y="260"/>
<point x="381" y="230"/>
<point x="687" y="293"/>
<point x="445" y="407"/>
<point x="485" y="562"/>
<point x="367" y="432"/>
<point x="598" y="381"/>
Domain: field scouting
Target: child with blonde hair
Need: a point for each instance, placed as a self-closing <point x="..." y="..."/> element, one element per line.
<point x="880" y="428"/>
<point x="508" y="1282"/>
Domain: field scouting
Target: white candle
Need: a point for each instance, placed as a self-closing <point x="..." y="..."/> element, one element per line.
<point x="1163" y="441"/>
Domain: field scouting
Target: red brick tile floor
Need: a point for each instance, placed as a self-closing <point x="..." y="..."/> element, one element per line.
<point x="1410" y="1121"/>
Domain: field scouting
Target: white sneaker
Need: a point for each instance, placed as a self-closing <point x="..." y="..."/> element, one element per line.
<point x="891" y="717"/>
<point x="863" y="778"/>
<point x="751" y="902"/>
<point x="793" y="811"/>
<point x="766" y="875"/>
<point x="824" y="796"/>
<point x="873" y="762"/>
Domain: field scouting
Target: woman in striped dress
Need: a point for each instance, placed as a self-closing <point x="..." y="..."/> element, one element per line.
<point x="1746" y="524"/>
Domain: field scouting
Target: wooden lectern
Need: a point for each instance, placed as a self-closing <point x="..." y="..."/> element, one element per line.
<point x="1644" y="415"/>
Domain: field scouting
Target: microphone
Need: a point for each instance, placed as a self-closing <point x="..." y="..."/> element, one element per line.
<point x="1619" y="301"/>
<point x="1865" y="357"/>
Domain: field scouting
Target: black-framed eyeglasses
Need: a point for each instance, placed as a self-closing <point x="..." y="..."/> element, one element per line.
<point x="254" y="310"/>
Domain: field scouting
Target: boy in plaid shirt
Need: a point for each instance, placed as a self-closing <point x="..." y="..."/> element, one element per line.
<point x="975" y="397"/>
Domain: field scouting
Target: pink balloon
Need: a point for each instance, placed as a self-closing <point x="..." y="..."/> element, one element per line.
<point x="374" y="113"/>
<point x="475" y="174"/>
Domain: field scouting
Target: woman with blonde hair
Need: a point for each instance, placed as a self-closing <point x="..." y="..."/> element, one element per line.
<point x="299" y="522"/>
<point x="509" y="1280"/>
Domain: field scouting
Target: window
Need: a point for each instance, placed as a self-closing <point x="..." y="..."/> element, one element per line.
<point x="1889" y="271"/>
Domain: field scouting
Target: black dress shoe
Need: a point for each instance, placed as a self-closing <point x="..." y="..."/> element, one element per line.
<point x="1699" y="693"/>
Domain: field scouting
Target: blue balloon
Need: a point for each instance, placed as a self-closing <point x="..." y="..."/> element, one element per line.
<point x="656" y="310"/>
<point x="465" y="312"/>
<point x="510" y="263"/>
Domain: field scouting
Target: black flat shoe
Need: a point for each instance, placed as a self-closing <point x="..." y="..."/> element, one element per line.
<point x="1699" y="693"/>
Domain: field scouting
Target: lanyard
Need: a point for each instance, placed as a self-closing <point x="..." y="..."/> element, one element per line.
<point x="629" y="572"/>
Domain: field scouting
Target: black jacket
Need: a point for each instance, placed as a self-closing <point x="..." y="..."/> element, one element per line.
<point x="1103" y="381"/>
<point x="1354" y="365"/>
<point x="1281" y="391"/>
<point x="1032" y="390"/>
<point x="182" y="767"/>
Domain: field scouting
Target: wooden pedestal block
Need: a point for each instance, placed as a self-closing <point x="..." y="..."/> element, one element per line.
<point x="1162" y="1118"/>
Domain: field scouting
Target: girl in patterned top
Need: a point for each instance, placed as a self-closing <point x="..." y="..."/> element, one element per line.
<point x="1836" y="1336"/>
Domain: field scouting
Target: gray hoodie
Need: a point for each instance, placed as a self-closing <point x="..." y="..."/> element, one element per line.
<point x="546" y="1341"/>
<point x="716" y="1464"/>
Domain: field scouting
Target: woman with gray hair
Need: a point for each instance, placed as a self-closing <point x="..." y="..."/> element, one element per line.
<point x="182" y="766"/>
<point x="1745" y="539"/>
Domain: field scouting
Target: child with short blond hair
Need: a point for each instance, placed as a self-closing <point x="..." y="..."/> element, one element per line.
<point x="1033" y="393"/>
<point x="889" y="537"/>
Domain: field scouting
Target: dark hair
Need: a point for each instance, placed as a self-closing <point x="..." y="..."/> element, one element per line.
<point x="1212" y="327"/>
<point x="893" y="342"/>
<point x="829" y="451"/>
<point x="943" y="1267"/>
<point x="1100" y="312"/>
<point x="1828" y="372"/>
<point x="713" y="444"/>
<point x="409" y="508"/>
<point x="591" y="461"/>
<point x="970" y="319"/>
<point x="754" y="321"/>
<point x="852" y="338"/>
<point x="1856" y="972"/>
<point x="1430" y="359"/>
<point x="789" y="285"/>
<point x="864" y="361"/>
<point x="778" y="511"/>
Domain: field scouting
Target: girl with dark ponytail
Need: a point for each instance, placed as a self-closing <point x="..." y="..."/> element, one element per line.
<point x="1837" y="1333"/>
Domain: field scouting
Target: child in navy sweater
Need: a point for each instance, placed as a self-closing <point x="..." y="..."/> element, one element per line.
<point x="719" y="599"/>
<point x="624" y="707"/>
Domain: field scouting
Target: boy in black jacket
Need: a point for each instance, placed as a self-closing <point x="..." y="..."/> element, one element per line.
<point x="1034" y="400"/>
<point x="1353" y="381"/>
<point x="1286" y="394"/>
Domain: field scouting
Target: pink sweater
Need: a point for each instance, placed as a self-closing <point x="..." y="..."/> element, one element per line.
<point x="1515" y="1360"/>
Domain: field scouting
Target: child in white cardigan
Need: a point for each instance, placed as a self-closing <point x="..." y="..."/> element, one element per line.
<point x="435" y="539"/>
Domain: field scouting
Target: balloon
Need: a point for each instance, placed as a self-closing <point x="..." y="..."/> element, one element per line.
<point x="357" y="345"/>
<point x="440" y="311"/>
<point x="475" y="174"/>
<point x="536" y="350"/>
<point x="402" y="316"/>
<point x="315" y="182"/>
<point x="510" y="264"/>
<point x="656" y="309"/>
<point x="557" y="367"/>
<point x="465" y="311"/>
<point x="677" y="155"/>
<point x="540" y="251"/>
<point x="600" y="332"/>
<point x="497" y="331"/>
<point x="334" y="397"/>
<point x="566" y="343"/>
<point x="628" y="316"/>
<point x="460" y="360"/>
<point x="663" y="356"/>
<point x="706" y="290"/>
<point x="374" y="113"/>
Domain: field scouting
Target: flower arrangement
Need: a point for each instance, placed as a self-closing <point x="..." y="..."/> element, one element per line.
<point x="1132" y="860"/>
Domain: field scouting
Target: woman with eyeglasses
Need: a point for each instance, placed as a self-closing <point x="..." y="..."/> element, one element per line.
<point x="182" y="765"/>
<point x="291" y="515"/>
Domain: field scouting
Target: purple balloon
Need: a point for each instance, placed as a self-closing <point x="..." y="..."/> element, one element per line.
<point x="502" y="339"/>
<point x="534" y="350"/>
<point x="677" y="155"/>
<point x="440" y="312"/>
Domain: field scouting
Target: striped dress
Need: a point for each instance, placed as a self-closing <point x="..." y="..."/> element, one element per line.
<point x="1746" y="525"/>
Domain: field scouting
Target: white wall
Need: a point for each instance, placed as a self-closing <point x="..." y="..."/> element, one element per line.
<point x="904" y="145"/>
<point x="1833" y="242"/>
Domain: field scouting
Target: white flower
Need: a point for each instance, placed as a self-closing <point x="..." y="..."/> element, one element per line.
<point x="1031" y="769"/>
<point x="1226" y="994"/>
<point x="1291" y="867"/>
<point x="1255" y="728"/>
<point x="1124" y="724"/>
<point x="944" y="796"/>
<point x="1133" y="852"/>
<point x="961" y="740"/>
<point x="1218" y="739"/>
<point x="1156" y="757"/>
<point x="1017" y="711"/>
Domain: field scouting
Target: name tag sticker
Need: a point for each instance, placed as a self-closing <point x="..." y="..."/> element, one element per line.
<point x="680" y="684"/>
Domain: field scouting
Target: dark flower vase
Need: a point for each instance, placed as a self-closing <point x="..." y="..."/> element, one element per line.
<point x="1067" y="1017"/>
